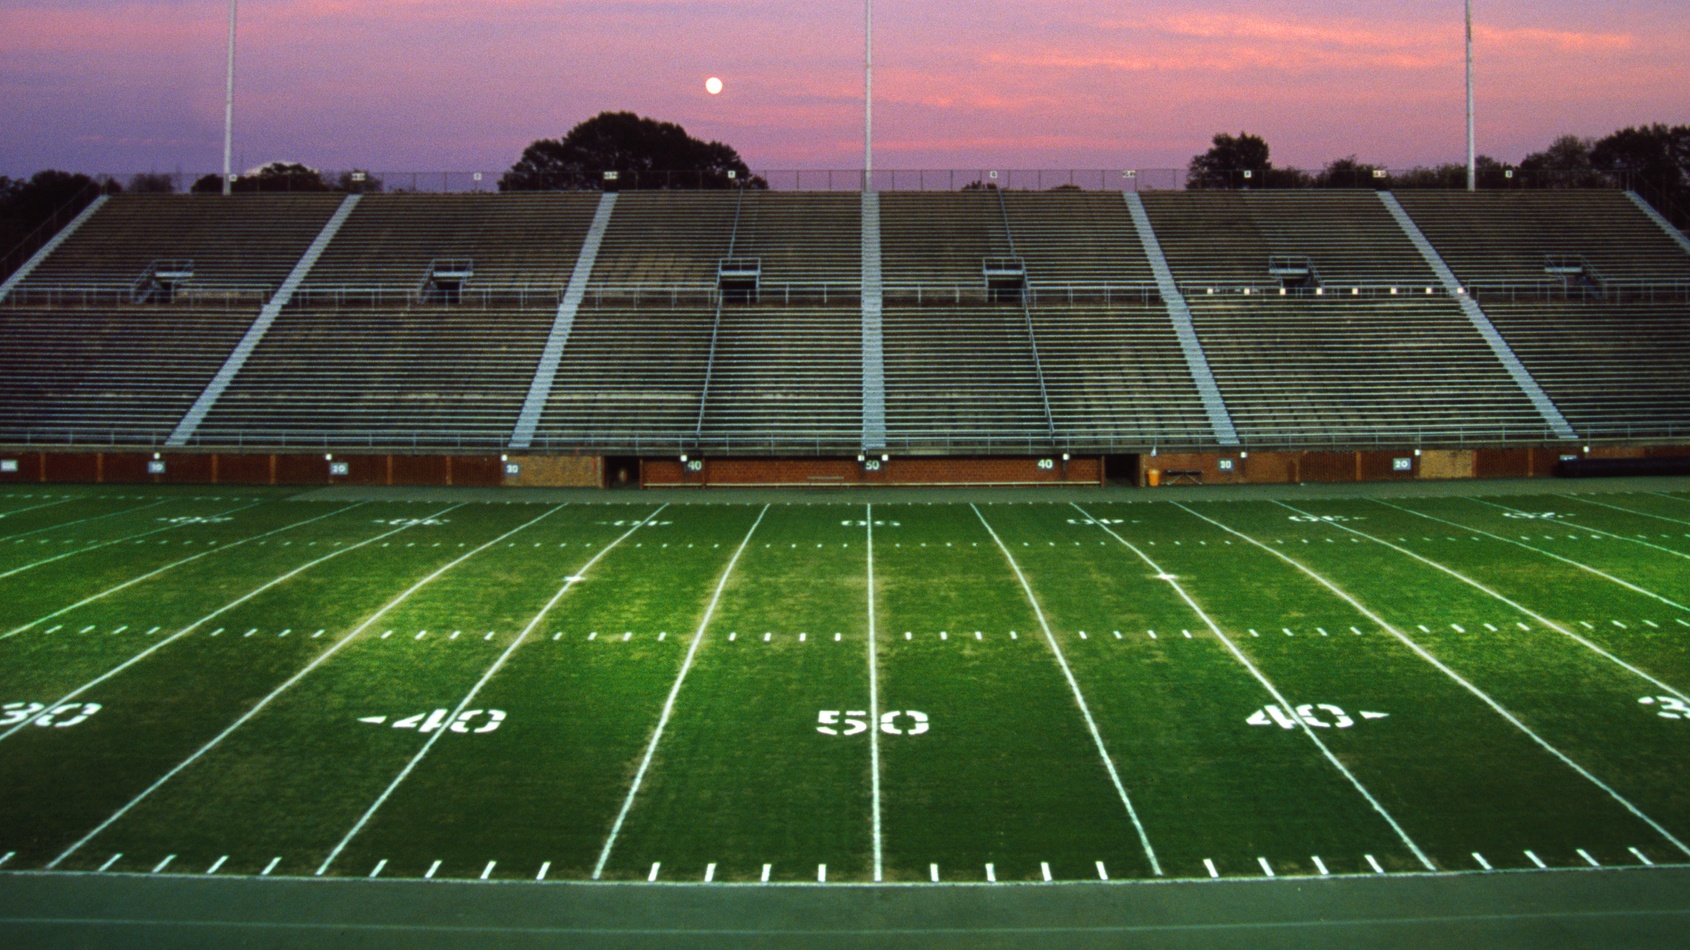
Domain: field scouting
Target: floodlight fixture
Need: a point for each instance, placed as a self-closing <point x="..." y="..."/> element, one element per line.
<point x="886" y="458"/>
<point x="683" y="458"/>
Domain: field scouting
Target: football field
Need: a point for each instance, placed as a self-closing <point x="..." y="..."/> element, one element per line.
<point x="218" y="682"/>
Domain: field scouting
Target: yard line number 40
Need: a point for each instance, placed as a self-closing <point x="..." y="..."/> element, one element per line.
<point x="852" y="722"/>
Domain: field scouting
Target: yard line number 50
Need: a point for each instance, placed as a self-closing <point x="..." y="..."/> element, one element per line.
<point x="852" y="722"/>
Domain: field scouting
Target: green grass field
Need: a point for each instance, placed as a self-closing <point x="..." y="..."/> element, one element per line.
<point x="622" y="690"/>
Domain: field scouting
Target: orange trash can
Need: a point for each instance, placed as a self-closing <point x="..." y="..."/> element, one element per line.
<point x="1153" y="477"/>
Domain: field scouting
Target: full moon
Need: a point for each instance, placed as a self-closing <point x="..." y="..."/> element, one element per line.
<point x="713" y="86"/>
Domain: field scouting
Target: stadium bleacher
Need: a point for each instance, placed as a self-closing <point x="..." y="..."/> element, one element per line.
<point x="1013" y="322"/>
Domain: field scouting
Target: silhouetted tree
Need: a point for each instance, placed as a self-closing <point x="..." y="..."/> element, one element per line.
<point x="32" y="211"/>
<point x="1653" y="160"/>
<point x="151" y="183"/>
<point x="276" y="176"/>
<point x="1347" y="172"/>
<point x="1226" y="163"/>
<point x="1564" y="164"/>
<point x="645" y="153"/>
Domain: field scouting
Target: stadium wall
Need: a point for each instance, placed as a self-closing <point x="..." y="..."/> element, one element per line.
<point x="583" y="471"/>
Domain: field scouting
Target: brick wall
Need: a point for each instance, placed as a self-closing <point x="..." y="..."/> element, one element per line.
<point x="848" y="471"/>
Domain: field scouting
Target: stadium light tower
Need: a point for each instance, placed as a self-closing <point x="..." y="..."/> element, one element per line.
<point x="1472" y="154"/>
<point x="229" y="105"/>
<point x="868" y="95"/>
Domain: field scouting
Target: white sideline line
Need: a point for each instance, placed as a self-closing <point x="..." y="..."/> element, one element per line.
<point x="873" y="699"/>
<point x="1079" y="697"/>
<point x="107" y="544"/>
<point x="174" y="564"/>
<point x="1588" y="528"/>
<point x="469" y="697"/>
<point x="669" y="703"/>
<point x="1278" y="697"/>
<point x="1521" y="607"/>
<point x="1439" y="664"/>
<point x="190" y="628"/>
<point x="259" y="707"/>
<point x="72" y="524"/>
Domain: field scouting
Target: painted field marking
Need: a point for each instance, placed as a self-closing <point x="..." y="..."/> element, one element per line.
<point x="86" y="629"/>
<point x="1355" y="631"/>
<point x="1520" y="607"/>
<point x="873" y="697"/>
<point x="17" y="538"/>
<point x="1320" y="866"/>
<point x="269" y="867"/>
<point x="1188" y="633"/>
<point x="710" y="872"/>
<point x="766" y="868"/>
<point x="1536" y="860"/>
<point x="1267" y="684"/>
<point x="1153" y="634"/>
<point x="120" y="629"/>
<point x="163" y="864"/>
<point x="489" y="635"/>
<point x="1587" y="858"/>
<point x="836" y="637"/>
<point x="1652" y="624"/>
<point x="1044" y="869"/>
<point x="318" y="634"/>
<point x="821" y="874"/>
<point x="216" y="864"/>
<point x="487" y="871"/>
<point x="1641" y="857"/>
<point x="766" y="637"/>
<point x="1423" y="628"/>
<point x="991" y="873"/>
<point x="110" y="861"/>
<point x="55" y="628"/>
<point x="154" y="573"/>
<point x="1374" y="863"/>
<point x="1287" y="631"/>
<point x="1587" y="626"/>
<point x="1102" y="872"/>
<point x="933" y="873"/>
<point x="1599" y="531"/>
<point x="1074" y="685"/>
<point x="190" y="628"/>
<point x="295" y="678"/>
<point x="428" y="875"/>
<point x="1457" y="628"/>
<point x="1013" y="635"/>
<point x="1482" y="862"/>
<point x="284" y="633"/>
<point x="420" y="634"/>
<point x="1207" y="863"/>
<point x="1465" y="684"/>
<point x="594" y="635"/>
<point x="377" y="869"/>
<point x="1083" y="635"/>
<point x="250" y="632"/>
<point x="1491" y="628"/>
<point x="1117" y="634"/>
<point x="497" y="664"/>
<point x="653" y="875"/>
<point x="557" y="636"/>
<point x="132" y="537"/>
<point x="544" y="867"/>
<point x="674" y="691"/>
<point x="1267" y="868"/>
<point x="1321" y="631"/>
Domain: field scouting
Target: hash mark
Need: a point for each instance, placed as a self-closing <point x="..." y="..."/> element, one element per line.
<point x="164" y="864"/>
<point x="1587" y="858"/>
<point x="1481" y="859"/>
<point x="1536" y="860"/>
<point x="1044" y="868"/>
<point x="709" y="872"/>
<point x="1374" y="863"/>
<point x="269" y="867"/>
<point x="649" y="877"/>
<point x="765" y="872"/>
<point x="991" y="873"/>
<point x="1211" y="866"/>
<point x="489" y="635"/>
<point x="1641" y="857"/>
<point x="933" y="872"/>
<point x="428" y="875"/>
<point x="821" y="869"/>
<point x="544" y="867"/>
<point x="379" y="865"/>
<point x="1267" y="868"/>
<point x="216" y="864"/>
<point x="1320" y="866"/>
<point x="1102" y="874"/>
<point x="109" y="861"/>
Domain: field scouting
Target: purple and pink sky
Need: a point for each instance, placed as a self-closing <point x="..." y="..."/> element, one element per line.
<point x="133" y="85"/>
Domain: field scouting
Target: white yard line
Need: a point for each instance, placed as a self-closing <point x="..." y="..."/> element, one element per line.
<point x="72" y="524"/>
<point x="126" y="538"/>
<point x="1629" y="511"/>
<point x="174" y="564"/>
<point x="19" y="511"/>
<point x="1585" y="527"/>
<point x="1278" y="697"/>
<point x="1464" y="683"/>
<point x="873" y="701"/>
<point x="190" y="628"/>
<point x="1079" y="697"/>
<point x="295" y="678"/>
<point x="521" y="638"/>
<point x="669" y="703"/>
<point x="1587" y="644"/>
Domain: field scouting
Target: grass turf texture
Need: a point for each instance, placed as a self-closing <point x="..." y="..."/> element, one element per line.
<point x="662" y="672"/>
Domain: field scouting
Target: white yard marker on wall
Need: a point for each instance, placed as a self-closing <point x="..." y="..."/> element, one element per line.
<point x="674" y="691"/>
<point x="1079" y="697"/>
<point x="1267" y="684"/>
<point x="295" y="678"/>
<point x="1456" y="677"/>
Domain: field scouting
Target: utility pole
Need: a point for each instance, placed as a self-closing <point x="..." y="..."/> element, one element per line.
<point x="868" y="95"/>
<point x="1472" y="154"/>
<point x="229" y="105"/>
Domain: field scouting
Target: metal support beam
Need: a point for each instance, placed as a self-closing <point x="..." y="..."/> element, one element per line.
<point x="540" y="390"/>
<point x="255" y="333"/>
<point x="1476" y="315"/>
<point x="1220" y="420"/>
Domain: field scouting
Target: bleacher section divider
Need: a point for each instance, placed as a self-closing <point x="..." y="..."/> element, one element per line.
<point x="46" y="251"/>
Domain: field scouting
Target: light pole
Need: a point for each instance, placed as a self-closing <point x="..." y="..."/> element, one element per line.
<point x="1472" y="155"/>
<point x="868" y="95"/>
<point x="229" y="105"/>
